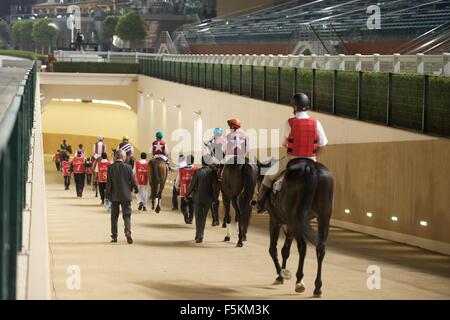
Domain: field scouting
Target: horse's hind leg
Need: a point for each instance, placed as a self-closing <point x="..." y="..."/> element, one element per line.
<point x="285" y="253"/>
<point x="301" y="245"/>
<point x="227" y="218"/>
<point x="240" y="225"/>
<point x="274" y="235"/>
<point x="320" y="253"/>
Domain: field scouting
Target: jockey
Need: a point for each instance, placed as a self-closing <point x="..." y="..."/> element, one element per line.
<point x="159" y="147"/>
<point x="304" y="138"/>
<point x="126" y="146"/>
<point x="237" y="142"/>
<point x="99" y="147"/>
<point x="214" y="147"/>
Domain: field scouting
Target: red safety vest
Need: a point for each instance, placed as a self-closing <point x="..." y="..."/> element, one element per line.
<point x="78" y="164"/>
<point x="89" y="168"/>
<point x="103" y="171"/>
<point x="161" y="149"/>
<point x="141" y="173"/>
<point x="185" y="179"/>
<point x="66" y="168"/>
<point x="302" y="141"/>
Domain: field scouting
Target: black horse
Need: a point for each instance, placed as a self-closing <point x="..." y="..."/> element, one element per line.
<point x="306" y="193"/>
<point x="238" y="186"/>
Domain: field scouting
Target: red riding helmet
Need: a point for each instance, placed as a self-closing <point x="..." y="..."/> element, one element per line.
<point x="234" y="123"/>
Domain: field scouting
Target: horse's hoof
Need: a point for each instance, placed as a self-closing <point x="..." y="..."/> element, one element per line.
<point x="285" y="274"/>
<point x="244" y="238"/>
<point x="224" y="225"/>
<point x="317" y="293"/>
<point x="157" y="210"/>
<point x="227" y="238"/>
<point x="239" y="245"/>
<point x="153" y="207"/>
<point x="300" y="287"/>
<point x="278" y="281"/>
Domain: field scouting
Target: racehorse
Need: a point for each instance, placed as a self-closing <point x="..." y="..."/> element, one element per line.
<point x="238" y="186"/>
<point x="306" y="193"/>
<point x="157" y="173"/>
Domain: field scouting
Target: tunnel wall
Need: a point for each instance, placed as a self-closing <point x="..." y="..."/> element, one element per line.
<point x="83" y="123"/>
<point x="385" y="171"/>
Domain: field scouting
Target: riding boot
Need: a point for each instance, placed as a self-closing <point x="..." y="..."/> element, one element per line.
<point x="263" y="194"/>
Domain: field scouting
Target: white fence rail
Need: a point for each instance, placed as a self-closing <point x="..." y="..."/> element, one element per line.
<point x="396" y="63"/>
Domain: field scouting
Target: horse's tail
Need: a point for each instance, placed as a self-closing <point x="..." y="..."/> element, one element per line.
<point x="249" y="181"/>
<point x="155" y="175"/>
<point x="306" y="171"/>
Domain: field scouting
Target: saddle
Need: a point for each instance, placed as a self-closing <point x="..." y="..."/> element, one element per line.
<point x="276" y="187"/>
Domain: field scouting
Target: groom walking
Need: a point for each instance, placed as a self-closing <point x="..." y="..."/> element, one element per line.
<point x="119" y="185"/>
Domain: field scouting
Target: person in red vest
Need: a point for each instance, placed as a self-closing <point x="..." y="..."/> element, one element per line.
<point x="57" y="160"/>
<point x="65" y="167"/>
<point x="102" y="170"/>
<point x="79" y="172"/>
<point x="141" y="173"/>
<point x="89" y="169"/>
<point x="304" y="138"/>
<point x="182" y="183"/>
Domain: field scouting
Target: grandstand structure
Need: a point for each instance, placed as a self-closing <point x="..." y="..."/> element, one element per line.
<point x="328" y="27"/>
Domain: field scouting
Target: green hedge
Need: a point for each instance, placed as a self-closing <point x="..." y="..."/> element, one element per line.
<point x="406" y="91"/>
<point x="96" y="67"/>
<point x="22" y="54"/>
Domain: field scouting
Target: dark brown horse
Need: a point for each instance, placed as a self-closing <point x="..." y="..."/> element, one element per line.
<point x="237" y="186"/>
<point x="157" y="180"/>
<point x="306" y="193"/>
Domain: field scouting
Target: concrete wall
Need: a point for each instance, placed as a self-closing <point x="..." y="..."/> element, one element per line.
<point x="82" y="123"/>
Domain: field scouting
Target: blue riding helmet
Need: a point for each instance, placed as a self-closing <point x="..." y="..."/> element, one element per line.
<point x="218" y="132"/>
<point x="159" y="135"/>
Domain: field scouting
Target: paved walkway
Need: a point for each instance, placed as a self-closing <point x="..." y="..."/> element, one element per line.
<point x="165" y="263"/>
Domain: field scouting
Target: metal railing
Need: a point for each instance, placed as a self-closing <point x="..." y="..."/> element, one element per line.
<point x="418" y="102"/>
<point x="15" y="134"/>
<point x="396" y="63"/>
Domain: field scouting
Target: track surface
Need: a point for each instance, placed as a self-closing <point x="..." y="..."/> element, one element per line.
<point x="166" y="263"/>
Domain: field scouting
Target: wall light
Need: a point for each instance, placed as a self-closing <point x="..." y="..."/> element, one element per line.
<point x="369" y="214"/>
<point x="197" y="113"/>
<point x="162" y="100"/>
<point x="394" y="218"/>
<point x="150" y="95"/>
<point x="423" y="223"/>
<point x="347" y="210"/>
<point x="177" y="106"/>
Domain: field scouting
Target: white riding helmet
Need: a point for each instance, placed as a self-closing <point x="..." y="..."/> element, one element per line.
<point x="100" y="138"/>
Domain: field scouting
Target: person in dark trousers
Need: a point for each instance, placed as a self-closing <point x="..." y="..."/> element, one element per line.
<point x="102" y="175"/>
<point x="79" y="172"/>
<point x="65" y="168"/>
<point x="57" y="160"/>
<point x="120" y="183"/>
<point x="182" y="183"/>
<point x="205" y="189"/>
<point x="79" y="41"/>
<point x="175" y="192"/>
<point x="89" y="163"/>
